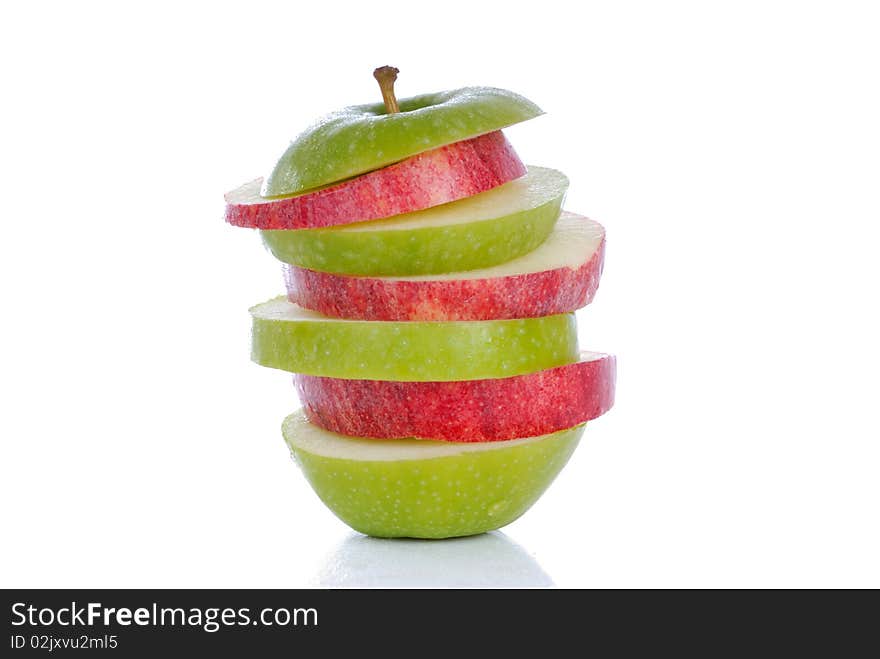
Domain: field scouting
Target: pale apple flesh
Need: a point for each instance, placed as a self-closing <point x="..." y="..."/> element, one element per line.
<point x="290" y="338"/>
<point x="362" y="138"/>
<point x="488" y="410"/>
<point x="429" y="179"/>
<point x="483" y="230"/>
<point x="422" y="488"/>
<point x="562" y="274"/>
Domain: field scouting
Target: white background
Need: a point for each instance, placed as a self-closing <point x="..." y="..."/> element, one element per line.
<point x="732" y="150"/>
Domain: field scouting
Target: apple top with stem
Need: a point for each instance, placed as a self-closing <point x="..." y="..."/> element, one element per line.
<point x="362" y="138"/>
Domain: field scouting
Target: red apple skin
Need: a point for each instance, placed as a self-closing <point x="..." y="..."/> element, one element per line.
<point x="435" y="177"/>
<point x="466" y="411"/>
<point x="530" y="295"/>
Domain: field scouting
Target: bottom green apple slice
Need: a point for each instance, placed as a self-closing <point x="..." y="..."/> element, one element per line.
<point x="426" y="489"/>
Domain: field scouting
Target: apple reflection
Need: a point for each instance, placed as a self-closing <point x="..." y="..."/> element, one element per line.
<point x="490" y="560"/>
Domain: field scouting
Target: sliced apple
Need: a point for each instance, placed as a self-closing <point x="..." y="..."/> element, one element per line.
<point x="477" y="232"/>
<point x="362" y="138"/>
<point x="560" y="275"/>
<point x="291" y="338"/>
<point x="422" y="488"/>
<point x="429" y="179"/>
<point x="490" y="410"/>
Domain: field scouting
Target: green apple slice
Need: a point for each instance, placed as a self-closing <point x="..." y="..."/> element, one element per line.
<point x="290" y="338"/>
<point x="362" y="138"/>
<point x="478" y="232"/>
<point x="422" y="488"/>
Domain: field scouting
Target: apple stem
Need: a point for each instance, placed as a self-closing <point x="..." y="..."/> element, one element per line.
<point x="385" y="76"/>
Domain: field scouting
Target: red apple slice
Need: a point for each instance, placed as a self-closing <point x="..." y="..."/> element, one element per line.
<point x="432" y="178"/>
<point x="528" y="405"/>
<point x="561" y="275"/>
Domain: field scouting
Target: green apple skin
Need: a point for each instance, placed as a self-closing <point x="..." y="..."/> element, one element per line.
<point x="288" y="337"/>
<point x="484" y="230"/>
<point x="463" y="492"/>
<point x="362" y="138"/>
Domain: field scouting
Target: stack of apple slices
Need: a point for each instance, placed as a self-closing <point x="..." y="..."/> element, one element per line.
<point x="431" y="283"/>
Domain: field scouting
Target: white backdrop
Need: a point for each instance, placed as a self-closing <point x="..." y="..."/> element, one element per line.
<point x="732" y="151"/>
